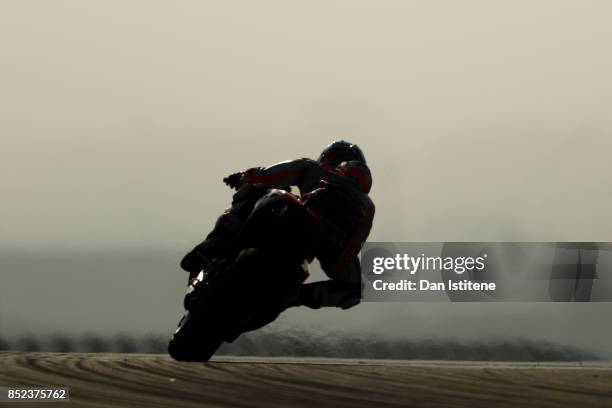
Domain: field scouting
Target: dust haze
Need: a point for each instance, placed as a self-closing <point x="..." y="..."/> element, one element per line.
<point x="480" y="121"/>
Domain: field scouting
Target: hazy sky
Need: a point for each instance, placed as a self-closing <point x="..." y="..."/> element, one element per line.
<point x="481" y="120"/>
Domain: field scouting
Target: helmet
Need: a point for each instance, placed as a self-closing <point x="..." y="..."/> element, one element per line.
<point x="341" y="151"/>
<point x="358" y="172"/>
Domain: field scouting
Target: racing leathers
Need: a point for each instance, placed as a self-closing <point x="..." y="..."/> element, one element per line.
<point x="345" y="213"/>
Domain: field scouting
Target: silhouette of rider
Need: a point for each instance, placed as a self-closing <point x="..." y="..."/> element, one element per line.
<point x="335" y="187"/>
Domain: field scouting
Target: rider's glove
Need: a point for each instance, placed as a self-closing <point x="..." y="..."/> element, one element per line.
<point x="234" y="180"/>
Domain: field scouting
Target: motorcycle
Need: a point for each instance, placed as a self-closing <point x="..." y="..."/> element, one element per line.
<point x="256" y="279"/>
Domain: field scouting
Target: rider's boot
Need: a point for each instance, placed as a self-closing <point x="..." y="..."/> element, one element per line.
<point x="226" y="229"/>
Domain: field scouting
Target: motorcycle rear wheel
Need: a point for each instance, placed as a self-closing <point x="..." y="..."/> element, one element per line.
<point x="194" y="340"/>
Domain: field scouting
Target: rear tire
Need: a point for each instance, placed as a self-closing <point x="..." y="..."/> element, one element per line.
<point x="193" y="340"/>
<point x="238" y="292"/>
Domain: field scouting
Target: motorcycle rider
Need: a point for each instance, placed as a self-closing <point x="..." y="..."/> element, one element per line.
<point x="335" y="187"/>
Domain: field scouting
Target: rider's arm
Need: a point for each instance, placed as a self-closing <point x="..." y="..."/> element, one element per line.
<point x="287" y="173"/>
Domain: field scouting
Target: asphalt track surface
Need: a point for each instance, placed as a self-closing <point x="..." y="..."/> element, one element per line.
<point x="137" y="380"/>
